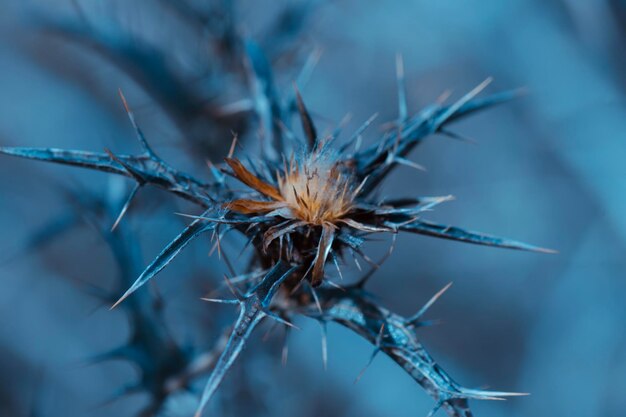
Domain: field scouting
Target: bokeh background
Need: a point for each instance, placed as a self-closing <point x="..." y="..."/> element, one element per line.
<point x="547" y="168"/>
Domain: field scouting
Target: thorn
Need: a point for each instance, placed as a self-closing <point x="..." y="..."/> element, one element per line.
<point x="122" y="298"/>
<point x="380" y="335"/>
<point x="309" y="66"/>
<point x="546" y="250"/>
<point x="305" y="118"/>
<point x="218" y="245"/>
<point x="443" y="97"/>
<point x="436" y="408"/>
<point x="234" y="290"/>
<point x="231" y="151"/>
<point x="125" y="206"/>
<point x="409" y="163"/>
<point x="281" y="320"/>
<point x="363" y="280"/>
<point x="249" y="276"/>
<point x="335" y="285"/>
<point x="219" y="177"/>
<point x="336" y="262"/>
<point x="402" y="105"/>
<point x="136" y="175"/>
<point x="342" y="124"/>
<point x="356" y="261"/>
<point x="489" y="395"/>
<point x="316" y="299"/>
<point x="429" y="323"/>
<point x="138" y="132"/>
<point x="360" y="187"/>
<point x="223" y="255"/>
<point x="220" y="300"/>
<point x="195" y="217"/>
<point x="414" y="320"/>
<point x="457" y="136"/>
<point x="356" y="136"/>
<point x="369" y="362"/>
<point x="379" y="340"/>
<point x="240" y="106"/>
<point x="463" y="100"/>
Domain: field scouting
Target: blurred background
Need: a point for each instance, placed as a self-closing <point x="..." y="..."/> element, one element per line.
<point x="547" y="169"/>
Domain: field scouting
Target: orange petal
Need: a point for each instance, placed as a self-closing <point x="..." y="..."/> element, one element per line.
<point x="248" y="178"/>
<point x="244" y="206"/>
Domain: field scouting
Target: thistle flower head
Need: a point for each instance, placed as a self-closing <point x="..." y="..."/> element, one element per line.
<point x="310" y="195"/>
<point x="316" y="205"/>
<point x="315" y="188"/>
<point x="304" y="211"/>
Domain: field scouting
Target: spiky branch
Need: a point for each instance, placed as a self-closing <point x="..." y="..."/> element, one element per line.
<point x="295" y="230"/>
<point x="254" y="307"/>
<point x="396" y="336"/>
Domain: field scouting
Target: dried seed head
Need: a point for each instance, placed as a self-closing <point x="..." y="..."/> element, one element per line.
<point x="317" y="189"/>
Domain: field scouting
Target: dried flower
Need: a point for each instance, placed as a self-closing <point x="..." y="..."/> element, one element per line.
<point x="316" y="203"/>
<point x="301" y="211"/>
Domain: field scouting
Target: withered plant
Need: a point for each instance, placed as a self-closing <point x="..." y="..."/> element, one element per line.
<point x="306" y="205"/>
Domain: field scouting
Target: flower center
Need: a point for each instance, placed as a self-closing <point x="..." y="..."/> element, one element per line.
<point x="316" y="190"/>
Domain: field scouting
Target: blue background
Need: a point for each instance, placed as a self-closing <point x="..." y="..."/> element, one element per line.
<point x="548" y="169"/>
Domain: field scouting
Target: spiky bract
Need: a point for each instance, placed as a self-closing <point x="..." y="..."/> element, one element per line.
<point x="308" y="202"/>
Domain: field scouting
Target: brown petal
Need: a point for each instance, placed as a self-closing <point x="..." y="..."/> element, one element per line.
<point x="279" y="230"/>
<point x="323" y="249"/>
<point x="307" y="123"/>
<point x="248" y="178"/>
<point x="244" y="206"/>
